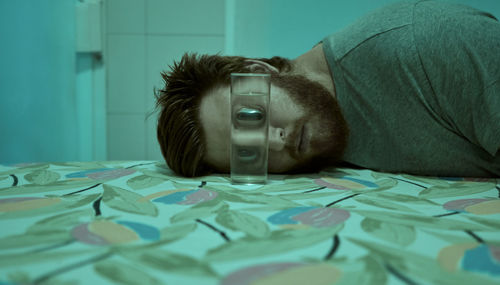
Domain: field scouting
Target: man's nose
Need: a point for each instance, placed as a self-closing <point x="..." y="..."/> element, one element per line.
<point x="276" y="138"/>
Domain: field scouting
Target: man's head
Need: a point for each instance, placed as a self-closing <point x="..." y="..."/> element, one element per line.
<point x="307" y="130"/>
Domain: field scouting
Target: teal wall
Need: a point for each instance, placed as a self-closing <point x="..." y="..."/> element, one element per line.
<point x="46" y="113"/>
<point x="289" y="28"/>
<point x="37" y="81"/>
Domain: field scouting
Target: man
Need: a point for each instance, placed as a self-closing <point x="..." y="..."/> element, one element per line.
<point x="413" y="87"/>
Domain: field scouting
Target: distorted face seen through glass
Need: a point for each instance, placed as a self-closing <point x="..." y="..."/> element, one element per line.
<point x="306" y="127"/>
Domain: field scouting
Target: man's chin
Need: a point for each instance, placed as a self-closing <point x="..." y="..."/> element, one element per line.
<point x="313" y="165"/>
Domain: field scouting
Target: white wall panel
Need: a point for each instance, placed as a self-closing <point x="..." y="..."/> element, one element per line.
<point x="185" y="17"/>
<point x="143" y="38"/>
<point x="125" y="16"/>
<point x="126" y="137"/>
<point x="126" y="73"/>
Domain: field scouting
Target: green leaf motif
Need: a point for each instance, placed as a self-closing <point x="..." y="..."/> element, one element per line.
<point x="392" y="233"/>
<point x="127" y="201"/>
<point x="199" y="211"/>
<point x="243" y="222"/>
<point x="42" y="177"/>
<point x="312" y="195"/>
<point x="385" y="184"/>
<point x="55" y="186"/>
<point x="144" y="181"/>
<point x="63" y="221"/>
<point x="54" y="229"/>
<point x="417" y="267"/>
<point x="25" y="169"/>
<point x="381" y="175"/>
<point x="19" y="277"/>
<point x="170" y="262"/>
<point x="278" y="242"/>
<point x="373" y="272"/>
<point x="123" y="273"/>
<point x="256" y="198"/>
<point x="456" y="189"/>
<point x="81" y="164"/>
<point x="416" y="220"/>
<point x="449" y="237"/>
<point x="493" y="222"/>
<point x="426" y="181"/>
<point x="289" y="186"/>
<point x="33" y="239"/>
<point x="383" y="203"/>
<point x="177" y="232"/>
<point x="48" y="205"/>
<point x="407" y="199"/>
<point x="178" y="185"/>
<point x="23" y="259"/>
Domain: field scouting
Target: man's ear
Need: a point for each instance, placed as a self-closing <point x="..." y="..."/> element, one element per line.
<point x="260" y="66"/>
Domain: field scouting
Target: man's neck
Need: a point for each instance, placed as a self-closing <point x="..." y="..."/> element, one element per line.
<point x="313" y="65"/>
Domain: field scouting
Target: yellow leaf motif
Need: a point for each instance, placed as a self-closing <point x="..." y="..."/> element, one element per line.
<point x="26" y="205"/>
<point x="485" y="208"/>
<point x="317" y="274"/>
<point x="450" y="256"/>
<point x="112" y="232"/>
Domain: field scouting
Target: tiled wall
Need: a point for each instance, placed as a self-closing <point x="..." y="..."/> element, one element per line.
<point x="142" y="38"/>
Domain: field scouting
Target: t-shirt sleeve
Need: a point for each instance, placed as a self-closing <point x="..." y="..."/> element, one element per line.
<point x="460" y="55"/>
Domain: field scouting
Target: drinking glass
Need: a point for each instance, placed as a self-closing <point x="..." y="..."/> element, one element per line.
<point x="249" y="127"/>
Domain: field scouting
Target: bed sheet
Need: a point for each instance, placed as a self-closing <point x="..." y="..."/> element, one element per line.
<point x="135" y="222"/>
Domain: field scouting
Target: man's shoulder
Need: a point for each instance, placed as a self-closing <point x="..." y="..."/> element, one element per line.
<point x="372" y="25"/>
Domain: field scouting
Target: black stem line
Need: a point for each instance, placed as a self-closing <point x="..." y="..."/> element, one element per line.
<point x="498" y="189"/>
<point x="314" y="190"/>
<point x="447" y="214"/>
<point x="79" y="191"/>
<point x="335" y="246"/>
<point x="221" y="233"/>
<point x="340" y="200"/>
<point x="97" y="206"/>
<point x="16" y="180"/>
<point x="70" y="267"/>
<point x="141" y="164"/>
<point x="399" y="275"/>
<point x="410" y="182"/>
<point x="474" y="236"/>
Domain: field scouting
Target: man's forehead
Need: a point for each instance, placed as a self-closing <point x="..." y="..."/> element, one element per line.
<point x="219" y="94"/>
<point x="215" y="121"/>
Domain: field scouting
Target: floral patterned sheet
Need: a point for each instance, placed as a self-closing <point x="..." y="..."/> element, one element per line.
<point x="135" y="222"/>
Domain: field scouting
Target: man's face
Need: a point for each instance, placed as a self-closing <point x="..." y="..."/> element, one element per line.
<point x="306" y="129"/>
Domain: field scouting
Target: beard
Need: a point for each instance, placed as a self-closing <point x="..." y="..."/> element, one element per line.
<point x="329" y="129"/>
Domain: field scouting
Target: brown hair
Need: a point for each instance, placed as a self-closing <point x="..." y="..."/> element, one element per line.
<point x="179" y="131"/>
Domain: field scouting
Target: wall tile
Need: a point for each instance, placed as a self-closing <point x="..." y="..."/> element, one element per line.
<point x="163" y="50"/>
<point x="185" y="17"/>
<point x="126" y="137"/>
<point x="153" y="151"/>
<point x="125" y="16"/>
<point x="126" y="77"/>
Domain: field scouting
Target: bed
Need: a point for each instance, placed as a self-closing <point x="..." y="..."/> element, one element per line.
<point x="135" y="222"/>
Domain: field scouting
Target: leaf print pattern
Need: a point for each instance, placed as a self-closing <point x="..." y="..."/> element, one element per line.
<point x="135" y="222"/>
<point x="474" y="206"/>
<point x="311" y="216"/>
<point x="102" y="232"/>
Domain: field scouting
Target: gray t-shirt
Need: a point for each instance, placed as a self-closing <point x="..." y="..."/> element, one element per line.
<point x="419" y="86"/>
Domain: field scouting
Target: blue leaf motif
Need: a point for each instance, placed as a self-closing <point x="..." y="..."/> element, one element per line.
<point x="285" y="217"/>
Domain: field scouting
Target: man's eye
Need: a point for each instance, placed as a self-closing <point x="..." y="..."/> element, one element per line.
<point x="249" y="117"/>
<point x="247" y="154"/>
